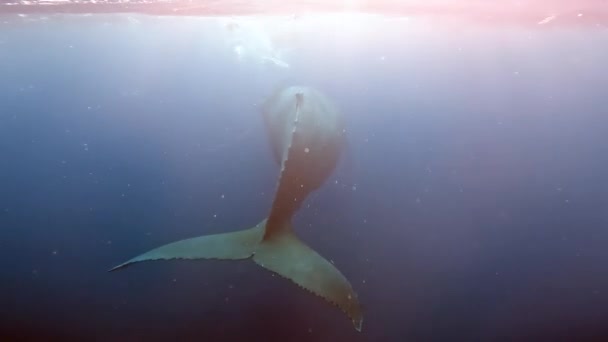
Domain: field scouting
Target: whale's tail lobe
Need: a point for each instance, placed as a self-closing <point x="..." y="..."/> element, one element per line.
<point x="286" y="255"/>
<point x="228" y="246"/>
<point x="282" y="253"/>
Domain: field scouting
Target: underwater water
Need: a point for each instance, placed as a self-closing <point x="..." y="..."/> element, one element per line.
<point x="471" y="202"/>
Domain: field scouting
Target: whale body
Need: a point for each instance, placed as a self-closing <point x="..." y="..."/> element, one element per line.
<point x="307" y="135"/>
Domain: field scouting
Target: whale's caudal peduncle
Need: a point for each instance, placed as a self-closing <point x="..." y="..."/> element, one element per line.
<point x="306" y="134"/>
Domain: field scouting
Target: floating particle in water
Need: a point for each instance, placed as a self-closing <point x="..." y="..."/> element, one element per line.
<point x="547" y="20"/>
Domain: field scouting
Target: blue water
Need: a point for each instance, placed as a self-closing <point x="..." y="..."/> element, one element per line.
<point x="470" y="205"/>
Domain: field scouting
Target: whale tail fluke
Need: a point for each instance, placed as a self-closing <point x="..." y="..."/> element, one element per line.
<point x="280" y="252"/>
<point x="285" y="254"/>
<point x="227" y="246"/>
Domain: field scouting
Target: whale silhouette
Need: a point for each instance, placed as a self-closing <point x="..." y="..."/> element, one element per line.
<point x="307" y="136"/>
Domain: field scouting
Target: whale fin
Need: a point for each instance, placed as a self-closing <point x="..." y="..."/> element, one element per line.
<point x="283" y="253"/>
<point x="228" y="246"/>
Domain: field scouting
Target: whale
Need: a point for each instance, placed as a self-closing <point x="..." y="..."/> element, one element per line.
<point x="307" y="135"/>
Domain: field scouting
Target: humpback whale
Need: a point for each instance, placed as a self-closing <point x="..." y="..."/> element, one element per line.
<point x="307" y="136"/>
